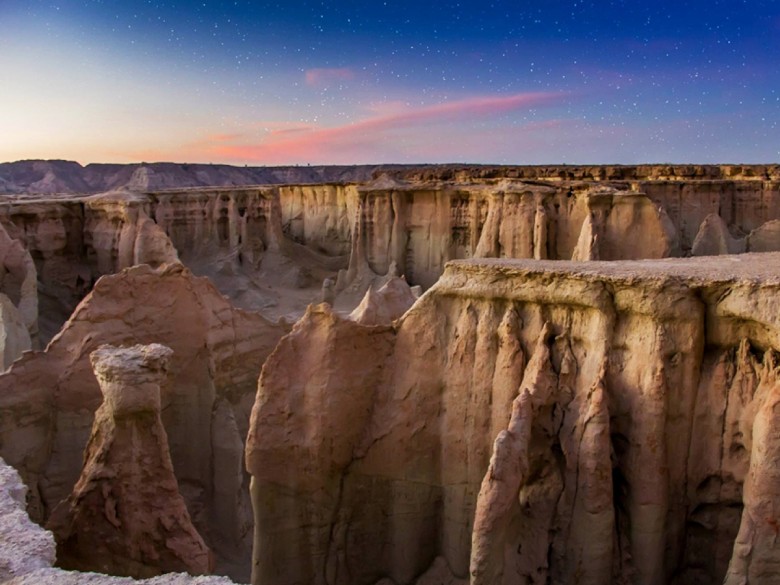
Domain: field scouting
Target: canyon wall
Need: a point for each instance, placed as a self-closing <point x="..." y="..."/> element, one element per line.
<point x="529" y="422"/>
<point x="271" y="247"/>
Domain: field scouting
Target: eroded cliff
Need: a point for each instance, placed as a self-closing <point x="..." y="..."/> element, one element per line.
<point x="529" y="422"/>
<point x="271" y="247"/>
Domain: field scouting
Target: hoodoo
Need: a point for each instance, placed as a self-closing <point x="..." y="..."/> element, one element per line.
<point x="125" y="515"/>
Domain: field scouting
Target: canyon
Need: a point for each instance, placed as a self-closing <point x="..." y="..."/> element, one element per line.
<point x="395" y="374"/>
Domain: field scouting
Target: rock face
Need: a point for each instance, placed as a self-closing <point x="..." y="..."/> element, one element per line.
<point x="271" y="247"/>
<point x="125" y="515"/>
<point x="385" y="305"/>
<point x="529" y="422"/>
<point x="48" y="399"/>
<point x="18" y="300"/>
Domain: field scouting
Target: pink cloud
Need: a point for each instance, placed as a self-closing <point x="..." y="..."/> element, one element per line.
<point x="378" y="135"/>
<point x="322" y="77"/>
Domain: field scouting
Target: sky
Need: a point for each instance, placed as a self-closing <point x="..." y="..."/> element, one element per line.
<point x="363" y="82"/>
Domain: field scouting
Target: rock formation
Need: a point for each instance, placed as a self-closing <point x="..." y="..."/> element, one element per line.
<point x="529" y="421"/>
<point x="713" y="239"/>
<point x="626" y="454"/>
<point x="59" y="176"/>
<point x="121" y="234"/>
<point x="270" y="248"/>
<point x="385" y="305"/>
<point x="48" y="399"/>
<point x="125" y="515"/>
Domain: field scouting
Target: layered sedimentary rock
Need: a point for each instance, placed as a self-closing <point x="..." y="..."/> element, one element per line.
<point x="48" y="399"/>
<point x="528" y="422"/>
<point x="271" y="247"/>
<point x="125" y="515"/>
<point x="121" y="234"/>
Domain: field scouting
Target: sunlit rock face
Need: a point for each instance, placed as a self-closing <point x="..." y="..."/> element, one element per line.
<point x="528" y="422"/>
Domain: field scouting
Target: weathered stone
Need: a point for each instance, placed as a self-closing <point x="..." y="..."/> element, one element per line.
<point x="125" y="515"/>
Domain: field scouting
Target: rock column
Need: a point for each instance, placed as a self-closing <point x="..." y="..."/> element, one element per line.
<point x="125" y="515"/>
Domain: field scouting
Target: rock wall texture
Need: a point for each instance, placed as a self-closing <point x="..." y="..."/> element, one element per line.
<point x="271" y="247"/>
<point x="48" y="399"/>
<point x="125" y="515"/>
<point x="529" y="422"/>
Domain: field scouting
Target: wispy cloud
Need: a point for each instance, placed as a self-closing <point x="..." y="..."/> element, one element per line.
<point x="325" y="76"/>
<point x="377" y="135"/>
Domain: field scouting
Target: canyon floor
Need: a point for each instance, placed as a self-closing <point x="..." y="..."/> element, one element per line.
<point x="401" y="375"/>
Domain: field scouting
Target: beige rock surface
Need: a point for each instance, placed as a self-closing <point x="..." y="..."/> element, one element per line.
<point x="125" y="515"/>
<point x="624" y="459"/>
<point x="713" y="239"/>
<point x="385" y="305"/>
<point x="270" y="248"/>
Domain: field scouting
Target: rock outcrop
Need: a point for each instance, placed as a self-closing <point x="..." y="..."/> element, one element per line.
<point x="385" y="305"/>
<point x="125" y="515"/>
<point x="48" y="399"/>
<point x="120" y="234"/>
<point x="633" y="444"/>
<point x="714" y="239"/>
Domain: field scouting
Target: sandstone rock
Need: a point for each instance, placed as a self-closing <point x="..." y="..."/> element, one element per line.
<point x="27" y="551"/>
<point x="756" y="556"/>
<point x="14" y="335"/>
<point x="383" y="306"/>
<point x="19" y="285"/>
<point x="713" y="238"/>
<point x="625" y="226"/>
<point x="765" y="238"/>
<point x="125" y="515"/>
<point x="321" y="426"/>
<point x="624" y="460"/>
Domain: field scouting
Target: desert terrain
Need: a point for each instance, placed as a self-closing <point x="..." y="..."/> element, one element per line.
<point x="395" y="375"/>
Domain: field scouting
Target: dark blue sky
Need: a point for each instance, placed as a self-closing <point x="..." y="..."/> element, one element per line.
<point x="276" y="82"/>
